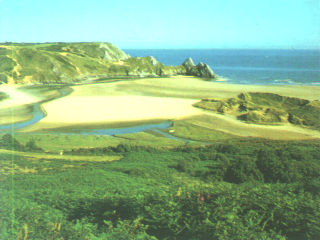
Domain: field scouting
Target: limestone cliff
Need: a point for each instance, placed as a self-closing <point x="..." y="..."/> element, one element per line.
<point x="72" y="62"/>
<point x="201" y="70"/>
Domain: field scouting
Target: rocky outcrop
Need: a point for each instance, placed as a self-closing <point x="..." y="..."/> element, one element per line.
<point x="113" y="53"/>
<point x="205" y="71"/>
<point x="201" y="70"/>
<point x="188" y="64"/>
<point x="153" y="60"/>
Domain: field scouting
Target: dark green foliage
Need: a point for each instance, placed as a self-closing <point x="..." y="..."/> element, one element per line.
<point x="32" y="146"/>
<point x="3" y="78"/>
<point x="6" y="64"/>
<point x="244" y="189"/>
<point x="244" y="169"/>
<point x="2" y="94"/>
<point x="121" y="148"/>
<point x="9" y="142"/>
<point x="288" y="166"/>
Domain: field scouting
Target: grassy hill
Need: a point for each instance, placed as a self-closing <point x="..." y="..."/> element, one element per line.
<point x="70" y="62"/>
<point x="267" y="108"/>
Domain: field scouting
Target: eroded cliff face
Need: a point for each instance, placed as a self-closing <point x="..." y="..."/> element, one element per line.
<point x="201" y="70"/>
<point x="73" y="62"/>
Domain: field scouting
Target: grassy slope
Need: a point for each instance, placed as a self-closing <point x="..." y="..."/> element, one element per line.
<point x="67" y="62"/>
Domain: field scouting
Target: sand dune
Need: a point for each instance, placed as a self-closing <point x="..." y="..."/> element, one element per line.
<point x="229" y="124"/>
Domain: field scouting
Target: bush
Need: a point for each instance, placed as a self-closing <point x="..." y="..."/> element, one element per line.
<point x="9" y="142"/>
<point x="32" y="146"/>
<point x="244" y="169"/>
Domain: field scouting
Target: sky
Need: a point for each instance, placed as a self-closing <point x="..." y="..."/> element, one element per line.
<point x="268" y="24"/>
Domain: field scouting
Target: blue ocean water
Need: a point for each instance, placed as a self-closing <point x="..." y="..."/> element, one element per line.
<point x="248" y="66"/>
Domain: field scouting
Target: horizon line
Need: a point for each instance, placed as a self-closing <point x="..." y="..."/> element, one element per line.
<point x="165" y="48"/>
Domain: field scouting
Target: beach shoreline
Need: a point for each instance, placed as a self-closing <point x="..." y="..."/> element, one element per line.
<point x="123" y="103"/>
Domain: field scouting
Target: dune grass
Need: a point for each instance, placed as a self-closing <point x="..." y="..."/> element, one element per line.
<point x="267" y="108"/>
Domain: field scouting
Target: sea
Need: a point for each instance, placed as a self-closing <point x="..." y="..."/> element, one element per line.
<point x="261" y="67"/>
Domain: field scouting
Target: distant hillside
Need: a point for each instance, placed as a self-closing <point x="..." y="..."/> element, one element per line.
<point x="70" y="62"/>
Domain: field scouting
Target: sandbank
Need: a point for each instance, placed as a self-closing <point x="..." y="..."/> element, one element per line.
<point x="109" y="109"/>
<point x="144" y="100"/>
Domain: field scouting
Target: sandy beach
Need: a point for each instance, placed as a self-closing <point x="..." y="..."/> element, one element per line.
<point x="191" y="87"/>
<point x="144" y="100"/>
<point x="80" y="110"/>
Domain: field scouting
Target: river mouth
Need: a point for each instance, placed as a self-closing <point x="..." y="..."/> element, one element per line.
<point x="123" y="128"/>
<point x="38" y="113"/>
<point x="36" y="110"/>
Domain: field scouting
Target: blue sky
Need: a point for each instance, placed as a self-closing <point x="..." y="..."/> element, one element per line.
<point x="166" y="23"/>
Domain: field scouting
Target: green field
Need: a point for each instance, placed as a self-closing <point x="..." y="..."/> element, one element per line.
<point x="232" y="189"/>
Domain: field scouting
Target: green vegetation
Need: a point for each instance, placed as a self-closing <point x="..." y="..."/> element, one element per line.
<point x="267" y="108"/>
<point x="72" y="62"/>
<point x="232" y="189"/>
<point x="199" y="129"/>
<point x="6" y="66"/>
<point x="3" y="96"/>
<point x="56" y="142"/>
<point x="9" y="142"/>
